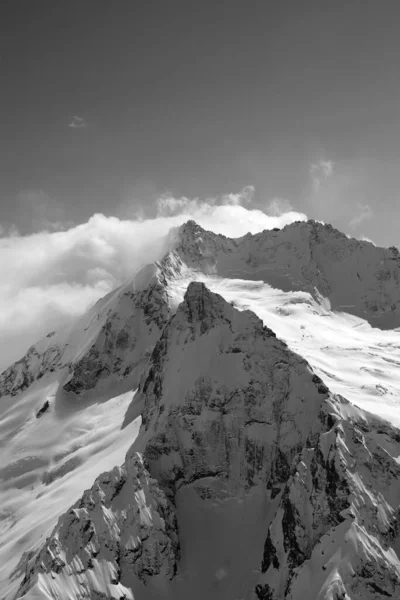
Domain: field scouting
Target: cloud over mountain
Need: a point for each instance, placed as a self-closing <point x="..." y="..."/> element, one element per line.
<point x="50" y="277"/>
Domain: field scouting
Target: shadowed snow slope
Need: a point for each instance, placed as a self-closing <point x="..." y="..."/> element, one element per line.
<point x="265" y="485"/>
<point x="249" y="479"/>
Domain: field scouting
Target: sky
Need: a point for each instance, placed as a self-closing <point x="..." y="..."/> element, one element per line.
<point x="130" y="116"/>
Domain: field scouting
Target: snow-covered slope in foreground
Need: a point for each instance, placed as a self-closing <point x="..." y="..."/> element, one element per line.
<point x="260" y="484"/>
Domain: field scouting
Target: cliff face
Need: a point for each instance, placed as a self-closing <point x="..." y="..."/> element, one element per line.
<point x="258" y="482"/>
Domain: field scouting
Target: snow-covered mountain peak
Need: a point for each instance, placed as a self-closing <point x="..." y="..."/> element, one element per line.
<point x="249" y="479"/>
<point x="354" y="276"/>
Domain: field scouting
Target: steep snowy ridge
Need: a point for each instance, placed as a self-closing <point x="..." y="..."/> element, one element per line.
<point x="241" y="437"/>
<point x="111" y="339"/>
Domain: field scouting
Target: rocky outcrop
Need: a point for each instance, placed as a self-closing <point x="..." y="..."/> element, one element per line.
<point x="123" y="528"/>
<point x="41" y="359"/>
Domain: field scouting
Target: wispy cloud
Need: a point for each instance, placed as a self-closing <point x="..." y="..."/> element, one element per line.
<point x="279" y="206"/>
<point x="243" y="198"/>
<point x="77" y="122"/>
<point x="49" y="278"/>
<point x="169" y="205"/>
<point x="320" y="171"/>
<point x="364" y="213"/>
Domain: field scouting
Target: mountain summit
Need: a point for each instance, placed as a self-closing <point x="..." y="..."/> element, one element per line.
<point x="245" y="476"/>
<point x="353" y="275"/>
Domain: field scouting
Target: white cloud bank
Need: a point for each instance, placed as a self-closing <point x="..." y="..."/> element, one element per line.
<point x="49" y="278"/>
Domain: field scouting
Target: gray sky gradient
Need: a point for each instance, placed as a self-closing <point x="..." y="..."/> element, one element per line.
<point x="105" y="106"/>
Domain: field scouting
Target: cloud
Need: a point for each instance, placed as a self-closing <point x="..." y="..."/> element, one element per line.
<point x="364" y="213"/>
<point x="168" y="205"/>
<point x="8" y="230"/>
<point x="242" y="198"/>
<point x="49" y="278"/>
<point x="320" y="171"/>
<point x="279" y="206"/>
<point x="77" y="123"/>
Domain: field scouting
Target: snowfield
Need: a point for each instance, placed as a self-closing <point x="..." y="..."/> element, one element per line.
<point x="256" y="473"/>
